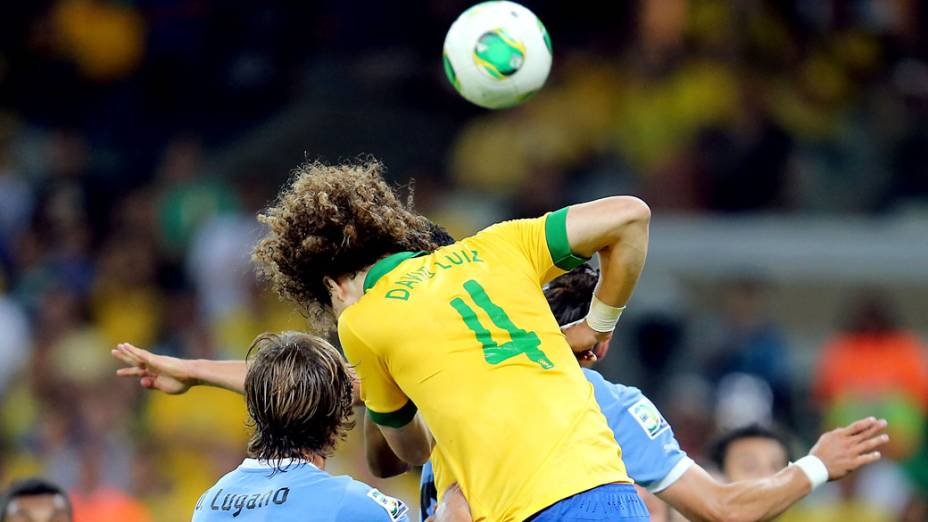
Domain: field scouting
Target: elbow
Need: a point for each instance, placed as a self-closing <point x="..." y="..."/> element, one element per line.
<point x="635" y="209"/>
<point x="383" y="471"/>
<point x="628" y="211"/>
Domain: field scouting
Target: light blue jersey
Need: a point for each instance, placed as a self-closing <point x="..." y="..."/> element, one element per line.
<point x="651" y="453"/>
<point x="253" y="492"/>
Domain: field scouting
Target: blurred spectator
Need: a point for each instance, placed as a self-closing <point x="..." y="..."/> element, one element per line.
<point x="15" y="341"/>
<point x="95" y="502"/>
<point x="752" y="343"/>
<point x="750" y="452"/>
<point x="188" y="197"/>
<point x="875" y="367"/>
<point x="104" y="38"/>
<point x="35" y="500"/>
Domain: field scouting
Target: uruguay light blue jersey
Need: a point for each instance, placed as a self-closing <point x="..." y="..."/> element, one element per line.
<point x="253" y="492"/>
<point x="651" y="453"/>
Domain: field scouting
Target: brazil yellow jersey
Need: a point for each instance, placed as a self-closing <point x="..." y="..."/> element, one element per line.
<point x="464" y="335"/>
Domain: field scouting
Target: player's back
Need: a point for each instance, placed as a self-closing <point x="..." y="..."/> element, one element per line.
<point x="255" y="492"/>
<point x="464" y="334"/>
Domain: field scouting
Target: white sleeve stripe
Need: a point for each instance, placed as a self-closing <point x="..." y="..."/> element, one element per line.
<point x="672" y="476"/>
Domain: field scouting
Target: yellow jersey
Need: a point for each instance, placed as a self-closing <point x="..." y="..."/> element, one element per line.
<point x="464" y="335"/>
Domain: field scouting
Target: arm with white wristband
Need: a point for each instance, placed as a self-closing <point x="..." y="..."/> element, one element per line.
<point x="814" y="470"/>
<point x="699" y="496"/>
<point x="616" y="229"/>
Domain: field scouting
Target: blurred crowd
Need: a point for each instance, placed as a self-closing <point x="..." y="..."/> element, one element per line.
<point x="116" y="223"/>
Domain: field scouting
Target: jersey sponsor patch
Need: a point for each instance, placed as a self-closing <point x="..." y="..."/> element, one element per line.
<point x="648" y="417"/>
<point x="393" y="506"/>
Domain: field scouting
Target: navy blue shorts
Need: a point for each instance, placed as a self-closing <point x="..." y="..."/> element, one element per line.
<point x="618" y="502"/>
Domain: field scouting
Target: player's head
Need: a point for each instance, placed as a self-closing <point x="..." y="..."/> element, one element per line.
<point x="330" y="223"/>
<point x="569" y="296"/>
<point x="35" y="500"/>
<point x="750" y="452"/>
<point x="298" y="394"/>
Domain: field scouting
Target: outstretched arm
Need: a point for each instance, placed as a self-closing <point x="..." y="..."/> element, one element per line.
<point x="175" y="376"/>
<point x="700" y="497"/>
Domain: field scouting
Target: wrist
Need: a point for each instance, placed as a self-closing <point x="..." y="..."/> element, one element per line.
<point x="192" y="371"/>
<point x="602" y="318"/>
<point x="814" y="470"/>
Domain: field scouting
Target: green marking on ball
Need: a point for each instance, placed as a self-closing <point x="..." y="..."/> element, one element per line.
<point x="449" y="72"/>
<point x="547" y="37"/>
<point x="498" y="54"/>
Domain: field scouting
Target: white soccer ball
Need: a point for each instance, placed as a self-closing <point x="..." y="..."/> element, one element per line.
<point x="497" y="54"/>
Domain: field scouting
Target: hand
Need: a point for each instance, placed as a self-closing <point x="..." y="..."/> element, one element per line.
<point x="156" y="372"/>
<point x="843" y="450"/>
<point x="587" y="344"/>
<point x="453" y="507"/>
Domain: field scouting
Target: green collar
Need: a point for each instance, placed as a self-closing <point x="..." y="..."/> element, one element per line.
<point x="380" y="268"/>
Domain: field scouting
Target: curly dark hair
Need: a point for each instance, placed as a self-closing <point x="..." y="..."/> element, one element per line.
<point x="569" y="295"/>
<point x="298" y="390"/>
<point x="333" y="220"/>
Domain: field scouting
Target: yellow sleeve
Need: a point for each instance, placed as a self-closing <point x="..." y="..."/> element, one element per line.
<point x="385" y="401"/>
<point x="542" y="242"/>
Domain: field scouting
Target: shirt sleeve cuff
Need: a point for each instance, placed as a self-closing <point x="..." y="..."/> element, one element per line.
<point x="558" y="246"/>
<point x="672" y="476"/>
<point x="394" y="419"/>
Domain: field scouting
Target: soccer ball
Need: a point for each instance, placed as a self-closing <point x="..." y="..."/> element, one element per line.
<point x="497" y="54"/>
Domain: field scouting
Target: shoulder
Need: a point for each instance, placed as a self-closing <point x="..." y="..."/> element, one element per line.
<point x="362" y="502"/>
<point x="351" y="331"/>
<point x="611" y="392"/>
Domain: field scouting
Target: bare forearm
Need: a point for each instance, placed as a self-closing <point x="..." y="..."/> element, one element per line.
<point x="381" y="460"/>
<point x="700" y="497"/>
<point x="229" y="375"/>
<point x="617" y="229"/>
<point x="764" y="499"/>
<point x="621" y="265"/>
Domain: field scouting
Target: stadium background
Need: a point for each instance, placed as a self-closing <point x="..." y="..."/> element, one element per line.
<point x="782" y="146"/>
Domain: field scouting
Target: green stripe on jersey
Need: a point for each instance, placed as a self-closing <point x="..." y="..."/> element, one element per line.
<point x="558" y="246"/>
<point x="395" y="419"/>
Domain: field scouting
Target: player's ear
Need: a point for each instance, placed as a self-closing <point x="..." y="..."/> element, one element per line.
<point x="330" y="285"/>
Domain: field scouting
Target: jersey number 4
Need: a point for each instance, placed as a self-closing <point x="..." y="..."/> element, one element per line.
<point x="522" y="341"/>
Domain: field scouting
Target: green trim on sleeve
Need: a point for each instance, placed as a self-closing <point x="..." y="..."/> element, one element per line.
<point x="396" y="419"/>
<point x="558" y="246"/>
<point x="385" y="265"/>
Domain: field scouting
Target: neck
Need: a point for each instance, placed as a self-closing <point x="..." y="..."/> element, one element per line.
<point x="312" y="458"/>
<point x="315" y="460"/>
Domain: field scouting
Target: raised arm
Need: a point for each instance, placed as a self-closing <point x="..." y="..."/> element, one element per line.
<point x="616" y="228"/>
<point x="700" y="497"/>
<point x="174" y="376"/>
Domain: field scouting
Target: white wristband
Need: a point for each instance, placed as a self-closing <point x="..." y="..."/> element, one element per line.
<point x="814" y="469"/>
<point x="603" y="317"/>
